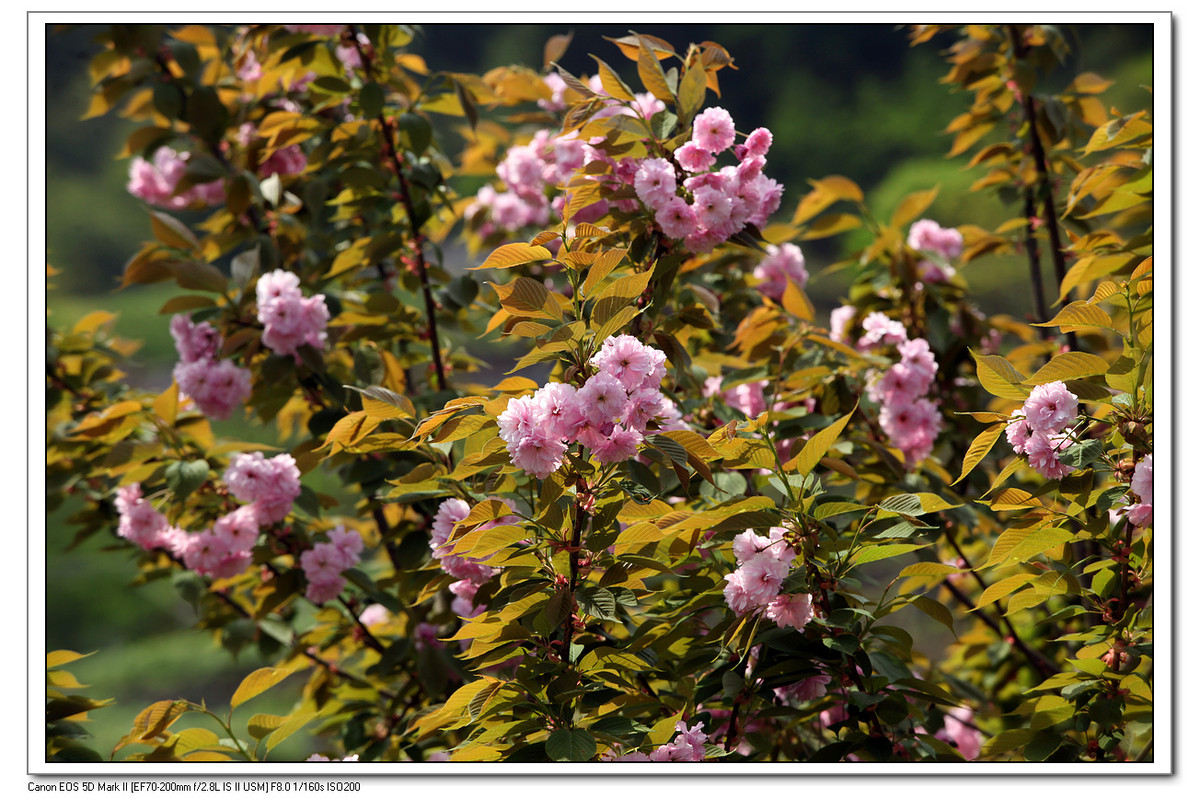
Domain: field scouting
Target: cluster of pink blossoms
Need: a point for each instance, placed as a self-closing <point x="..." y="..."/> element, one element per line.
<point x="610" y="414"/>
<point x="690" y="198"/>
<point x="270" y="487"/>
<point x="686" y="747"/>
<point x="910" y="419"/>
<point x="715" y="204"/>
<point x="1037" y="430"/>
<point x="139" y="523"/>
<point x="941" y="244"/>
<point x="749" y="398"/>
<point x="324" y="563"/>
<point x="469" y="573"/>
<point x="216" y="385"/>
<point x="465" y="570"/>
<point x="321" y="758"/>
<point x="157" y="182"/>
<point x="1141" y="513"/>
<point x="289" y="160"/>
<point x="290" y="320"/>
<point x="781" y="265"/>
<point x="225" y="549"/>
<point x="532" y="172"/>
<point x="763" y="564"/>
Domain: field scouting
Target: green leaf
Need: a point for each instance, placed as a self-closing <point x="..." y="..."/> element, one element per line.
<point x="692" y="88"/>
<point x="414" y="131"/>
<point x="184" y="477"/>
<point x="907" y="504"/>
<point x="1021" y="545"/>
<point x="871" y="554"/>
<point x="936" y="611"/>
<point x="571" y="745"/>
<point x="816" y="447"/>
<point x="1006" y="741"/>
<point x="370" y="99"/>
<point x="999" y="377"/>
<point x="979" y="449"/>
<point x="173" y="233"/>
<point x="596" y="601"/>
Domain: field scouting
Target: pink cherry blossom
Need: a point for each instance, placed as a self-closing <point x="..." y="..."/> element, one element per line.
<point x="1050" y="407"/>
<point x="781" y="264"/>
<point x="713" y="130"/>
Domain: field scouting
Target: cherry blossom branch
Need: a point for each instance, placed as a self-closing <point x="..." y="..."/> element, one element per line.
<point x="418" y="239"/>
<point x="1036" y="659"/>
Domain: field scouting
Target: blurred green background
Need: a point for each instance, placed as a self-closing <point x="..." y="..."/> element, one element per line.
<point x="842" y="99"/>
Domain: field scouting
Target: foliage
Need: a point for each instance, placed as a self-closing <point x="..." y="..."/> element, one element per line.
<point x="700" y="565"/>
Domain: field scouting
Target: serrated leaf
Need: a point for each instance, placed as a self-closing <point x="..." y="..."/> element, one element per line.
<point x="1068" y="366"/>
<point x="262" y="724"/>
<point x="1002" y="588"/>
<point x="258" y="681"/>
<point x="999" y="377"/>
<point x="936" y="611"/>
<point x="926" y="569"/>
<point x="870" y="554"/>
<point x="509" y="255"/>
<point x="173" y="233"/>
<point x="825" y="192"/>
<point x="571" y="745"/>
<point x="612" y="82"/>
<point x="816" y="447"/>
<point x="600" y="269"/>
<point x="979" y="448"/>
<point x="651" y="72"/>
<point x="288" y="728"/>
<point x="1022" y="544"/>
<point x="1079" y="315"/>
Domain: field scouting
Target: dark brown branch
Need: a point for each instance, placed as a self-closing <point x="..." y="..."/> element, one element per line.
<point x="1036" y="659"/>
<point x="418" y="239"/>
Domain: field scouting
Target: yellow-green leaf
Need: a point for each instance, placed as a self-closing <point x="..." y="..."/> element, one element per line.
<point x="61" y="657"/>
<point x="979" y="448"/>
<point x="825" y="192"/>
<point x="1020" y="544"/>
<point x="1079" y="315"/>
<point x="261" y="724"/>
<point x="651" y="72"/>
<point x="1002" y="588"/>
<point x="816" y="447"/>
<point x="870" y="554"/>
<point x="507" y="256"/>
<point x="936" y="611"/>
<point x="173" y="233"/>
<point x="288" y="728"/>
<point x="999" y="377"/>
<point x="927" y="569"/>
<point x="913" y="206"/>
<point x="612" y="82"/>
<point x="258" y="681"/>
<point x="1068" y="366"/>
